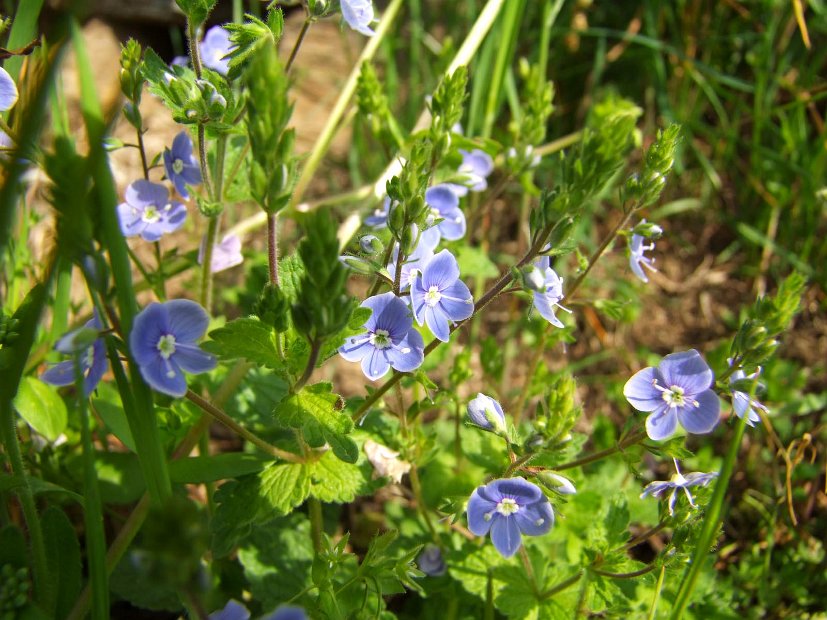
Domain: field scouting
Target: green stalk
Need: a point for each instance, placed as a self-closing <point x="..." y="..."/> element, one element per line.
<point x="509" y="26"/>
<point x="711" y="523"/>
<point x="143" y="421"/>
<point x="314" y="509"/>
<point x="93" y="513"/>
<point x="23" y="31"/>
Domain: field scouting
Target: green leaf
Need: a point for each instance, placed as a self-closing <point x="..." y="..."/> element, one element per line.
<point x="13" y="547"/>
<point x="42" y="408"/>
<point x="63" y="555"/>
<point x="471" y="569"/>
<point x="201" y="469"/>
<point x="315" y="410"/>
<point x="475" y="261"/>
<point x="115" y="419"/>
<point x="355" y="325"/>
<point x="245" y="338"/>
<point x="617" y="520"/>
<point x="336" y="481"/>
<point x="277" y="557"/>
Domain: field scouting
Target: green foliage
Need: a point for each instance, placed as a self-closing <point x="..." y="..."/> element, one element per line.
<point x="196" y="11"/>
<point x="317" y="413"/>
<point x="42" y="408"/>
<point x="63" y="551"/>
<point x="446" y="111"/>
<point x="272" y="170"/>
<point x="132" y="81"/>
<point x="246" y="338"/>
<point x="249" y="37"/>
<point x="373" y="105"/>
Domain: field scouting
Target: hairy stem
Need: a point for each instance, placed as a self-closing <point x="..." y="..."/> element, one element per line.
<point x="314" y="510"/>
<point x="294" y="52"/>
<point x="312" y="358"/>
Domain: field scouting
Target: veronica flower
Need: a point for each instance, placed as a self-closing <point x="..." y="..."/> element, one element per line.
<point x="163" y="343"/>
<point x="476" y="165"/>
<point x="677" y="390"/>
<point x="550" y="294"/>
<point x="438" y="297"/>
<point x="413" y="264"/>
<point x="379" y="217"/>
<point x="678" y="481"/>
<point x="225" y="254"/>
<point x="444" y="204"/>
<point x="233" y="610"/>
<point x="181" y="166"/>
<point x="430" y="561"/>
<point x="509" y="508"/>
<point x="389" y="339"/>
<point x="359" y="15"/>
<point x="287" y="612"/>
<point x="487" y="413"/>
<point x="214" y="47"/>
<point x="8" y="91"/>
<point x="92" y="360"/>
<point x="636" y="258"/>
<point x="149" y="212"/>
<point x="742" y="403"/>
<point x="386" y="462"/>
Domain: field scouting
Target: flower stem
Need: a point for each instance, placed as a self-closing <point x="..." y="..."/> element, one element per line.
<point x="532" y="580"/>
<point x="234" y="426"/>
<point x="206" y="263"/>
<point x="305" y="27"/>
<point x="634" y="542"/>
<point x="416" y="487"/>
<point x="621" y="445"/>
<point x="312" y="358"/>
<point x="599" y="252"/>
<point x="273" y="247"/>
<point x="314" y="509"/>
<point x="658" y="587"/>
<point x="195" y="55"/>
<point x="561" y="586"/>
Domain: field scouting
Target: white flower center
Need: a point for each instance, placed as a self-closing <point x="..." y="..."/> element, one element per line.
<point x="151" y="215"/>
<point x="88" y="357"/>
<point x="380" y="339"/>
<point x="166" y="345"/>
<point x="507" y="507"/>
<point x="177" y="166"/>
<point x="433" y="296"/>
<point x="674" y="396"/>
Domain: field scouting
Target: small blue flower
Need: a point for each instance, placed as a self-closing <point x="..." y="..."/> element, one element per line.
<point x="8" y="91"/>
<point x="287" y="612"/>
<point x="509" y="508"/>
<point x="678" y="481"/>
<point x="181" y="166"/>
<point x="225" y="254"/>
<point x="678" y="390"/>
<point x="636" y="258"/>
<point x="379" y="217"/>
<point x="148" y="212"/>
<point x="233" y="610"/>
<point x="550" y="294"/>
<point x="476" y="165"/>
<point x="413" y="265"/>
<point x="438" y="297"/>
<point x="359" y="15"/>
<point x="742" y="403"/>
<point x="444" y="204"/>
<point x="389" y="340"/>
<point x="214" y="47"/>
<point x="431" y="562"/>
<point x="163" y="343"/>
<point x="487" y="413"/>
<point x="93" y="362"/>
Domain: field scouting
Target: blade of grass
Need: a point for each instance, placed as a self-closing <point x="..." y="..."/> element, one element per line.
<point x="23" y="31"/>
<point x="138" y="399"/>
<point x="506" y="40"/>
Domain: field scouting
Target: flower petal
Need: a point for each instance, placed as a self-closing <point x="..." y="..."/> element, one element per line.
<point x="356" y="347"/>
<point x="164" y="376"/>
<point x="409" y="353"/>
<point x="395" y="317"/>
<point x="441" y="271"/>
<point x="688" y="370"/>
<point x="437" y="323"/>
<point x="535" y="519"/>
<point x="150" y="324"/>
<point x="142" y="193"/>
<point x="505" y="534"/>
<point x="191" y="358"/>
<point x="98" y="367"/>
<point x="703" y="418"/>
<point x="375" y="364"/>
<point x="8" y="91"/>
<point x="662" y="424"/>
<point x="478" y="507"/>
<point x="543" y="305"/>
<point x="60" y="374"/>
<point x="641" y="392"/>
<point x="187" y="320"/>
<point x="457" y="302"/>
<point x="453" y="226"/>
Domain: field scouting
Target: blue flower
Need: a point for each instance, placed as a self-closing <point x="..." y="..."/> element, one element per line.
<point x="742" y="403"/>
<point x="287" y="612"/>
<point x="636" y="258"/>
<point x="233" y="610"/>
<point x="476" y="165"/>
<point x="678" y="390"/>
<point x="413" y="264"/>
<point x="487" y="413"/>
<point x="180" y="164"/>
<point x="163" y="343"/>
<point x="93" y="362"/>
<point x="8" y="91"/>
<point x="225" y="254"/>
<point x="359" y="15"/>
<point x="214" y="47"/>
<point x="509" y="508"/>
<point x="149" y="212"/>
<point x="678" y="481"/>
<point x="431" y="562"/>
<point x="550" y="294"/>
<point x="389" y="340"/>
<point x="439" y="297"/>
<point x="444" y="204"/>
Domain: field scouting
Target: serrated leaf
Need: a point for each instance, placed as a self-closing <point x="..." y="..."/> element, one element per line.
<point x="246" y="338"/>
<point x="42" y="407"/>
<point x="617" y="520"/>
<point x="315" y="411"/>
<point x="333" y="480"/>
<point x="471" y="569"/>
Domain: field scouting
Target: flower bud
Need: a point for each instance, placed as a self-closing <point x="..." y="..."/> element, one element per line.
<point x="533" y="278"/>
<point x="357" y="264"/>
<point x="558" y="483"/>
<point x="487" y="413"/>
<point x="371" y="244"/>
